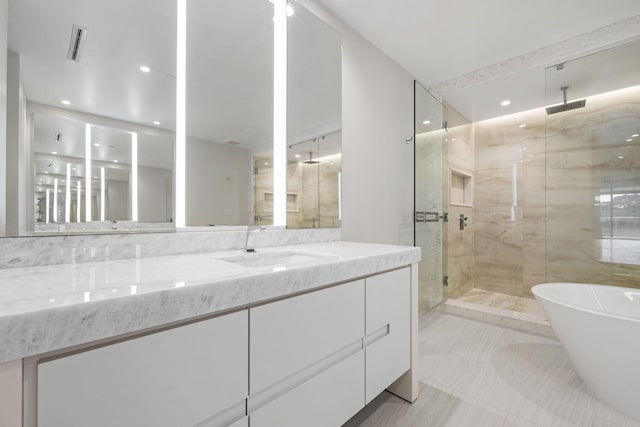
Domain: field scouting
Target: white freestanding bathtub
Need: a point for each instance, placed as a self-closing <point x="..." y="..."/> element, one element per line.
<point x="599" y="328"/>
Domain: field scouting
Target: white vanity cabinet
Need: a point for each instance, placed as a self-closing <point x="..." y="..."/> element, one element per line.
<point x="306" y="358"/>
<point x="184" y="376"/>
<point x="313" y="359"/>
<point x="387" y="345"/>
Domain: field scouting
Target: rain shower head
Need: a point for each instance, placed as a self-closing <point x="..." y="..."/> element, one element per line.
<point x="566" y="106"/>
<point x="310" y="161"/>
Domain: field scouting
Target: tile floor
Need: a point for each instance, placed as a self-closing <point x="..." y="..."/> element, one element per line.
<point x="476" y="374"/>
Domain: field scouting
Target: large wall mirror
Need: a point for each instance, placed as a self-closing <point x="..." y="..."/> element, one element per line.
<point x="96" y="119"/>
<point x="229" y="108"/>
<point x="95" y="115"/>
<point x="314" y="125"/>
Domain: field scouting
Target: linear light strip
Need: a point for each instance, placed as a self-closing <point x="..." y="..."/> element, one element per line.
<point x="79" y="202"/>
<point x="55" y="200"/>
<point x="134" y="176"/>
<point x="48" y="207"/>
<point x="180" y="158"/>
<point x="280" y="113"/>
<point x="339" y="196"/>
<point x="102" y="193"/>
<point x="87" y="167"/>
<point x="67" y="200"/>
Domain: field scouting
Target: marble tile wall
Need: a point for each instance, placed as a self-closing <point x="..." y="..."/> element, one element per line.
<point x="51" y="250"/>
<point x="509" y="203"/>
<point x="536" y="212"/>
<point x="460" y="154"/>
<point x="589" y="151"/>
<point x="312" y="193"/>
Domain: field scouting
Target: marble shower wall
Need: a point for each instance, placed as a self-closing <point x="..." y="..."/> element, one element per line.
<point x="460" y="154"/>
<point x="536" y="202"/>
<point x="590" y="152"/>
<point x="312" y="193"/>
<point x="509" y="203"/>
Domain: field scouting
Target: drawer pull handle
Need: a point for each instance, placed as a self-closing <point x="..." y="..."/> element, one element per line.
<point x="376" y="335"/>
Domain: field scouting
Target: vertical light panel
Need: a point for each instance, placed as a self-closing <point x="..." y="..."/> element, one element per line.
<point x="514" y="191"/>
<point x="340" y="196"/>
<point x="67" y="199"/>
<point x="55" y="200"/>
<point x="280" y="113"/>
<point x="181" y="68"/>
<point x="134" y="176"/>
<point x="79" y="202"/>
<point x="102" y="191"/>
<point x="48" y="207"/>
<point x="87" y="167"/>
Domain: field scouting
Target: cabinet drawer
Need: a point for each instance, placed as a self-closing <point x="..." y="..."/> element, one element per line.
<point x="178" y="377"/>
<point x="388" y="297"/>
<point x="290" y="335"/>
<point x="326" y="400"/>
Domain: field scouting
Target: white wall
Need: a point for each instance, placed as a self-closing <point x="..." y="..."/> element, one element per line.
<point x="4" y="11"/>
<point x="377" y="165"/>
<point x="218" y="178"/>
<point x="154" y="194"/>
<point x="18" y="153"/>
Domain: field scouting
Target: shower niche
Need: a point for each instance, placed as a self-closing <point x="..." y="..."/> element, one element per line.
<point x="460" y="188"/>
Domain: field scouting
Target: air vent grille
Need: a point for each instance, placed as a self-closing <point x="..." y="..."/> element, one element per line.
<point x="76" y="43"/>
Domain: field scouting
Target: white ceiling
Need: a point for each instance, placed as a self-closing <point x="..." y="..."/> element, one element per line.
<point x="438" y="40"/>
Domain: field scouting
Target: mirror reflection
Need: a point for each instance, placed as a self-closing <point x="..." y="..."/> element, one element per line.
<point x="314" y="109"/>
<point x="130" y="175"/>
<point x="96" y="113"/>
<point x="91" y="104"/>
<point x="229" y="109"/>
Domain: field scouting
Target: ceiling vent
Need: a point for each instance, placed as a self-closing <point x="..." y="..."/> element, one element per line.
<point x="76" y="43"/>
<point x="232" y="142"/>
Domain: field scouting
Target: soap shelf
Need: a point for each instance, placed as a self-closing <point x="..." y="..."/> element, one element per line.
<point x="460" y="188"/>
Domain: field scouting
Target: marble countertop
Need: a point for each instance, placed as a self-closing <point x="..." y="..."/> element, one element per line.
<point x="48" y="308"/>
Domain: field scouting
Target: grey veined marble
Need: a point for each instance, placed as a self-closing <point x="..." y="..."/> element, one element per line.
<point x="46" y="308"/>
<point x="50" y="250"/>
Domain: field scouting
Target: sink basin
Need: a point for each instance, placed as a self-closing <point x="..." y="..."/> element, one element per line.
<point x="274" y="259"/>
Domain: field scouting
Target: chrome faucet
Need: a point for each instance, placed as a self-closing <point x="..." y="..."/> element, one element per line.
<point x="251" y="228"/>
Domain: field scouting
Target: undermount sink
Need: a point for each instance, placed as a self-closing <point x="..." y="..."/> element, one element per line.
<point x="272" y="259"/>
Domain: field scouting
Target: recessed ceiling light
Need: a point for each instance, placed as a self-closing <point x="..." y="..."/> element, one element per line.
<point x="426" y="122"/>
<point x="453" y="139"/>
<point x="65" y="102"/>
<point x="95" y="177"/>
<point x="54" y="152"/>
<point x="266" y="164"/>
<point x="74" y="169"/>
<point x="621" y="157"/>
<point x="95" y="144"/>
<point x="156" y="122"/>
<point x="145" y="69"/>
<point x="629" y="140"/>
<point x="505" y="103"/>
<point x="524" y="125"/>
<point x="635" y="135"/>
<point x="115" y="161"/>
<point x="46" y="171"/>
<point x="297" y="156"/>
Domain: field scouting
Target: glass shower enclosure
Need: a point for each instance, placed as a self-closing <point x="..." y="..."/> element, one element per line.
<point x="430" y="197"/>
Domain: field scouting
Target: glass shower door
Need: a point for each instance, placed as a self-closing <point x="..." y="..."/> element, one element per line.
<point x="430" y="199"/>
